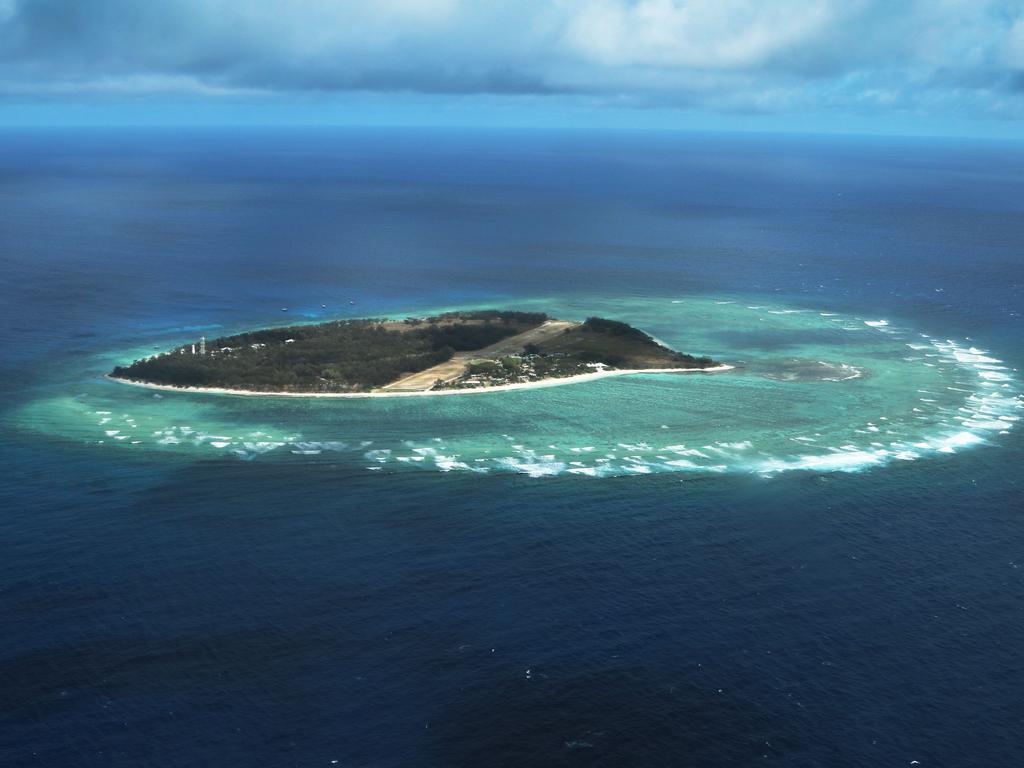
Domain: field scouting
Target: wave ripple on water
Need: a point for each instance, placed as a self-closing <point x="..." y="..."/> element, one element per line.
<point x="839" y="400"/>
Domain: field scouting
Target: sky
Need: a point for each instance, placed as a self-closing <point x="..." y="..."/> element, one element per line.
<point x="934" y="67"/>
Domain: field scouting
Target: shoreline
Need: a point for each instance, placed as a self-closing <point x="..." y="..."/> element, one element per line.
<point x="552" y="382"/>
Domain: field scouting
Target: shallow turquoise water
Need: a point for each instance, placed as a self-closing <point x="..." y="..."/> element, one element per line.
<point x="811" y="389"/>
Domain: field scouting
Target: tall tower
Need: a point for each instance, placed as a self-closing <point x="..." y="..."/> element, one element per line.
<point x="202" y="345"/>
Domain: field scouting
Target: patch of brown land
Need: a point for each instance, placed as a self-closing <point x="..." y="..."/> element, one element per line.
<point x="459" y="362"/>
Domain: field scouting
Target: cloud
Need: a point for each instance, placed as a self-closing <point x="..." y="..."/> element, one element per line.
<point x="728" y="55"/>
<point x="704" y="34"/>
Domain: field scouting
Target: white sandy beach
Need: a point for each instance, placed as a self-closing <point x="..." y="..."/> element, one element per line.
<point x="554" y="382"/>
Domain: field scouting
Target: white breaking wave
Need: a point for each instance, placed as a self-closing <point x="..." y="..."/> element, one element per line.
<point x="845" y="461"/>
<point x="961" y="396"/>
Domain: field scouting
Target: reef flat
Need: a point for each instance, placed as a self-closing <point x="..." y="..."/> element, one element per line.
<point x="812" y="388"/>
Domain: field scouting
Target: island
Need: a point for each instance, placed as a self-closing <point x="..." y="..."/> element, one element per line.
<point x="446" y="353"/>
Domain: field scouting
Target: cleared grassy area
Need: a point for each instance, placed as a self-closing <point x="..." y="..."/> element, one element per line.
<point x="458" y="365"/>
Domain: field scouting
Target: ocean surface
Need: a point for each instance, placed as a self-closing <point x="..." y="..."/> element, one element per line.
<point x="814" y="559"/>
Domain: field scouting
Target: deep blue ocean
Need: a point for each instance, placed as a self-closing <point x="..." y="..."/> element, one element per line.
<point x="170" y="610"/>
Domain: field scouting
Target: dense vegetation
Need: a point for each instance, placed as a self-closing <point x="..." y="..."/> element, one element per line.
<point x="617" y="345"/>
<point x="361" y="355"/>
<point x="351" y="355"/>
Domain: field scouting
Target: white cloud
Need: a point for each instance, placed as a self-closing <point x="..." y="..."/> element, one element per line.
<point x="767" y="55"/>
<point x="1014" y="50"/>
<point x="710" y="34"/>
